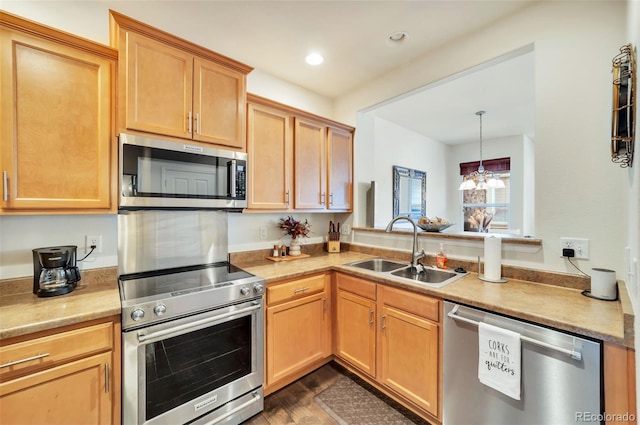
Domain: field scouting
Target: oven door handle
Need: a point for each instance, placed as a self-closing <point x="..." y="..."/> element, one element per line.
<point x="176" y="329"/>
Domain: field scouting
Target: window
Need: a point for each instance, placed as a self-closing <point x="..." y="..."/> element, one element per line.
<point x="489" y="204"/>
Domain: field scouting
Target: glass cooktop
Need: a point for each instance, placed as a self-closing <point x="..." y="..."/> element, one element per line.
<point x="180" y="281"/>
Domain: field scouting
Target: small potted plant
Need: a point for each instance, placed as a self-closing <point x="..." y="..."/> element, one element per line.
<point x="296" y="229"/>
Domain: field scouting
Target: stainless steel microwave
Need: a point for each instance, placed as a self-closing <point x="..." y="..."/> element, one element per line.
<point x="158" y="173"/>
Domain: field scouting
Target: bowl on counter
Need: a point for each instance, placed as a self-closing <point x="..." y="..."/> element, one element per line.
<point x="434" y="227"/>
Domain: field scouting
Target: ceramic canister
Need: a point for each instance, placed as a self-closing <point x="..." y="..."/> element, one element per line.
<point x="603" y="284"/>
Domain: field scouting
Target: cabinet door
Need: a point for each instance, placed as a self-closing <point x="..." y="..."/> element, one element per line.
<point x="298" y="334"/>
<point x="356" y="331"/>
<point x="219" y="104"/>
<point x="158" y="87"/>
<point x="56" y="128"/>
<point x="408" y="356"/>
<point x="74" y="393"/>
<point x="270" y="157"/>
<point x="340" y="169"/>
<point x="310" y="164"/>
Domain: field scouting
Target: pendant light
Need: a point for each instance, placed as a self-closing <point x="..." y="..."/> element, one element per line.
<point x="481" y="179"/>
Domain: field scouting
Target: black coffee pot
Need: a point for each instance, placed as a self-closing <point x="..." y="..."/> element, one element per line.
<point x="54" y="270"/>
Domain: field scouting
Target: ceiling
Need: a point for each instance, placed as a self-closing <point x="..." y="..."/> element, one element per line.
<point x="445" y="111"/>
<point x="275" y="36"/>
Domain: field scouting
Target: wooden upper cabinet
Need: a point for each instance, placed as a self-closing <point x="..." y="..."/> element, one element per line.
<point x="297" y="160"/>
<point x="176" y="88"/>
<point x="269" y="145"/>
<point x="158" y="87"/>
<point x="340" y="169"/>
<point x="219" y="98"/>
<point x="310" y="164"/>
<point x="57" y="154"/>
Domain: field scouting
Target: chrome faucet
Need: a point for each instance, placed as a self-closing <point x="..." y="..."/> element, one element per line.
<point x="415" y="255"/>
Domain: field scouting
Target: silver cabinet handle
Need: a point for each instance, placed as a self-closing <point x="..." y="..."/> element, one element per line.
<point x="297" y="290"/>
<point x="322" y="198"/>
<point x="106" y="377"/>
<point x="197" y="123"/>
<point x="28" y="359"/>
<point x="371" y="317"/>
<point x="324" y="304"/>
<point x="575" y="354"/>
<point x="286" y="197"/>
<point x="189" y="125"/>
<point x="5" y="186"/>
<point x="331" y="199"/>
<point x="382" y="318"/>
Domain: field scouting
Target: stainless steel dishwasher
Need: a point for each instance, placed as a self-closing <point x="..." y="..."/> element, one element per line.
<point x="560" y="374"/>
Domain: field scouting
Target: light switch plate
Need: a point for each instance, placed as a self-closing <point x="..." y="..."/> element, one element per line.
<point x="580" y="247"/>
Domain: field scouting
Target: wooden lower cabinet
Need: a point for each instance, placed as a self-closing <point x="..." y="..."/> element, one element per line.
<point x="392" y="338"/>
<point x="73" y="376"/>
<point x="298" y="329"/>
<point x="408" y="349"/>
<point x="355" y="333"/>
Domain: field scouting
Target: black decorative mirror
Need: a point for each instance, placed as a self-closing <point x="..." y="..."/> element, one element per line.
<point x="624" y="102"/>
<point x="409" y="192"/>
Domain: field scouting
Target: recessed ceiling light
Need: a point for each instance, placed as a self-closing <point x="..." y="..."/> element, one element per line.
<point x="314" y="59"/>
<point x="396" y="38"/>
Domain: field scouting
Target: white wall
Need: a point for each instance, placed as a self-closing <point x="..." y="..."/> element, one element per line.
<point x="577" y="187"/>
<point x="395" y="145"/>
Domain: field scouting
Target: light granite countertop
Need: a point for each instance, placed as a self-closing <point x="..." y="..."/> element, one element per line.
<point x="22" y="313"/>
<point x="549" y="305"/>
<point x="559" y="307"/>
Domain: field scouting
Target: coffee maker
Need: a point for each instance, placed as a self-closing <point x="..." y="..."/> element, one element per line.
<point x="54" y="270"/>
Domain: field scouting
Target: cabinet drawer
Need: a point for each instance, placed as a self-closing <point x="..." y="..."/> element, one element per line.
<point x="356" y="285"/>
<point x="420" y="305"/>
<point x="46" y="351"/>
<point x="295" y="289"/>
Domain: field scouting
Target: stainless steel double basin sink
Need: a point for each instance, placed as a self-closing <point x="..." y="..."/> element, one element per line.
<point x="427" y="276"/>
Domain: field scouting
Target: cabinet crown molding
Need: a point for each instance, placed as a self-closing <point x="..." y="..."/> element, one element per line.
<point x="16" y="23"/>
<point x="118" y="20"/>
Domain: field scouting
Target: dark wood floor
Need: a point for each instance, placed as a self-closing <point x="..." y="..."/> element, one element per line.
<point x="295" y="404"/>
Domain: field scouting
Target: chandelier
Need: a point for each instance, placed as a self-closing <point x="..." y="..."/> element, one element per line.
<point x="481" y="179"/>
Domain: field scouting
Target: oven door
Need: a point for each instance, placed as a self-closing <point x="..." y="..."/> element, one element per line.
<point x="184" y="369"/>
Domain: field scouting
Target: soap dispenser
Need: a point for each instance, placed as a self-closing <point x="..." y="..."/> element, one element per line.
<point x="441" y="258"/>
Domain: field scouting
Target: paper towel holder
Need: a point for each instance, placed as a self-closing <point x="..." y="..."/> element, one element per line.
<point x="481" y="276"/>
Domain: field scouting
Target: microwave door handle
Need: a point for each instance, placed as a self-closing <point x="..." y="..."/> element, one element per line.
<point x="231" y="173"/>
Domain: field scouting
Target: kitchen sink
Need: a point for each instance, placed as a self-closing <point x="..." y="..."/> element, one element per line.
<point x="428" y="276"/>
<point x="378" y="265"/>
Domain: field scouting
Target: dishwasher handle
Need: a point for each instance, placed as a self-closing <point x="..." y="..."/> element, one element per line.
<point x="575" y="354"/>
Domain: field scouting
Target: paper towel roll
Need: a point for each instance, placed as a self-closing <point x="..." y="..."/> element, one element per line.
<point x="492" y="258"/>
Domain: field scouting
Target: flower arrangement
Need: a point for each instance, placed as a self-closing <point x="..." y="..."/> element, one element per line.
<point x="295" y="228"/>
<point x="481" y="219"/>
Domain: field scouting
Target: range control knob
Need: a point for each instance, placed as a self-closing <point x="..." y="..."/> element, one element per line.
<point x="160" y="309"/>
<point x="258" y="289"/>
<point x="244" y="290"/>
<point x="137" y="314"/>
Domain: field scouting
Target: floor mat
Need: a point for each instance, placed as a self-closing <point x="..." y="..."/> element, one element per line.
<point x="350" y="404"/>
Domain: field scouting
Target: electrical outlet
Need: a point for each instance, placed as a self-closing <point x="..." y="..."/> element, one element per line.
<point x="345" y="229"/>
<point x="263" y="233"/>
<point x="580" y="247"/>
<point x="93" y="240"/>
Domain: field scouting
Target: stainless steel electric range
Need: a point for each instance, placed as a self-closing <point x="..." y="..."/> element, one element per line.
<point x="192" y="335"/>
